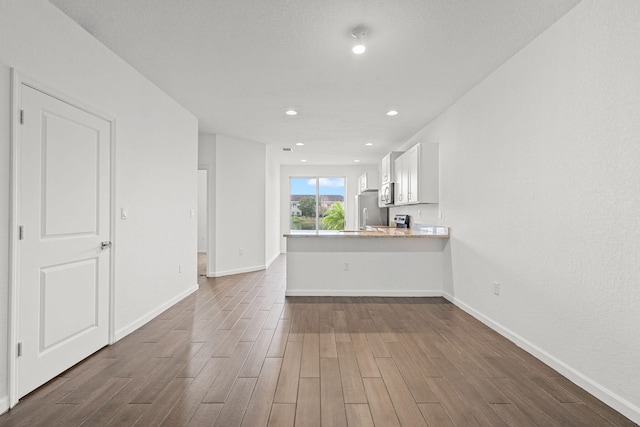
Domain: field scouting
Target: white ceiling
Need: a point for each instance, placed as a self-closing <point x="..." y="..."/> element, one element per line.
<point x="239" y="64"/>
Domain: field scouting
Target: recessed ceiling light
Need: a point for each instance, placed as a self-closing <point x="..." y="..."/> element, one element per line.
<point x="359" y="49"/>
<point x="392" y="113"/>
<point x="300" y="143"/>
<point x="356" y="161"/>
<point x="303" y="161"/>
<point x="369" y="144"/>
<point x="291" y="113"/>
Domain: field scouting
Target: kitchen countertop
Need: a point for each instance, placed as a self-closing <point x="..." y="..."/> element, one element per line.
<point x="378" y="261"/>
<point x="418" y="231"/>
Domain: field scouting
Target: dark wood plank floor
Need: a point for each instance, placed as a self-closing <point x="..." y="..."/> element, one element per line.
<point x="238" y="353"/>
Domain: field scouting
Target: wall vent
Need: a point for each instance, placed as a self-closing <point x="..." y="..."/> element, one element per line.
<point x="287" y="149"/>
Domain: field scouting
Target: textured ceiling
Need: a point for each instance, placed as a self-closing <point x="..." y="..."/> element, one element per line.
<point x="239" y="64"/>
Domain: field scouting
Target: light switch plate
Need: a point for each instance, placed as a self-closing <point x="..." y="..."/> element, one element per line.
<point x="123" y="213"/>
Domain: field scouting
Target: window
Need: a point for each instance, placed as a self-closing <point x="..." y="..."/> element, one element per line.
<point x="316" y="203"/>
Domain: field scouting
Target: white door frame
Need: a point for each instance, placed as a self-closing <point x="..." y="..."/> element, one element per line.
<point x="17" y="80"/>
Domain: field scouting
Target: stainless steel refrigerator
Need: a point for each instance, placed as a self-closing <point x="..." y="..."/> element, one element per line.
<point x="368" y="212"/>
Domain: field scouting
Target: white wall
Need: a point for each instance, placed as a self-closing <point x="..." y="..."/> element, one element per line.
<point x="156" y="157"/>
<point x="350" y="172"/>
<point x="540" y="184"/>
<point x="202" y="210"/>
<point x="237" y="205"/>
<point x="240" y="205"/>
<point x="272" y="213"/>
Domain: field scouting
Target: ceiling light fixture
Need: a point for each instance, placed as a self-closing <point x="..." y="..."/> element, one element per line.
<point x="356" y="161"/>
<point x="300" y="144"/>
<point x="369" y="144"/>
<point x="291" y="113"/>
<point x="303" y="161"/>
<point x="358" y="33"/>
<point x="392" y="113"/>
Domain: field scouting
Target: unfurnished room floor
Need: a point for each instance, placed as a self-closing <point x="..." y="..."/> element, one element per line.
<point x="237" y="352"/>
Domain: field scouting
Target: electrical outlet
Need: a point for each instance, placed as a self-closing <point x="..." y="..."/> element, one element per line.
<point x="496" y="288"/>
<point x="241" y="251"/>
<point x="346" y="266"/>
<point x="192" y="213"/>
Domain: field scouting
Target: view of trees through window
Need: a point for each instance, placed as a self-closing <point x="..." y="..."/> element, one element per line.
<point x="317" y="203"/>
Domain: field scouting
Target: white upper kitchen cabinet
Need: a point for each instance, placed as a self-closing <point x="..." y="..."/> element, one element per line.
<point x="401" y="181"/>
<point x="416" y="175"/>
<point x="387" y="167"/>
<point x="368" y="181"/>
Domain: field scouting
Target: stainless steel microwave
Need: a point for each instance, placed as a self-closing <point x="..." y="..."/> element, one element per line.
<point x="386" y="194"/>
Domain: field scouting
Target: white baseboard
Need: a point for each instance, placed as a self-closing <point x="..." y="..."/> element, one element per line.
<point x="275" y="257"/>
<point x="618" y="403"/>
<point x="123" y="332"/>
<point x="4" y="404"/>
<point x="359" y="293"/>
<point x="448" y="297"/>
<point x="237" y="271"/>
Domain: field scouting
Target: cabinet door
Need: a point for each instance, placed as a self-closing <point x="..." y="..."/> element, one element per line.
<point x="397" y="181"/>
<point x="405" y="179"/>
<point x="412" y="175"/>
<point x="402" y="180"/>
<point x="385" y="169"/>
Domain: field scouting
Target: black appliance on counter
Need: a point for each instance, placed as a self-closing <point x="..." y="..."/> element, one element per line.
<point x="402" y="221"/>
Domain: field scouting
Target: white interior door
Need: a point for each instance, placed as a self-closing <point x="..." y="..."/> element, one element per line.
<point x="64" y="210"/>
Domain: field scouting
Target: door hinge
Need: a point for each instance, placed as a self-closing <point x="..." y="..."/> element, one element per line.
<point x="19" y="351"/>
<point x="20" y="232"/>
<point x="21" y="117"/>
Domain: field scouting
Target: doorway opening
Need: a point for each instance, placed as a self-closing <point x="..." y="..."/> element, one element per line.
<point x="203" y="230"/>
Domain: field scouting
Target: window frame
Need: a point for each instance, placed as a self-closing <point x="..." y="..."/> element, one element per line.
<point x="317" y="198"/>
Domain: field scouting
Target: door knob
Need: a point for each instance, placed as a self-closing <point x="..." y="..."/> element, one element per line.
<point x="105" y="245"/>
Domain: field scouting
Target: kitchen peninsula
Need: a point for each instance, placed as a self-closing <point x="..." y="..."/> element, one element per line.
<point x="371" y="262"/>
